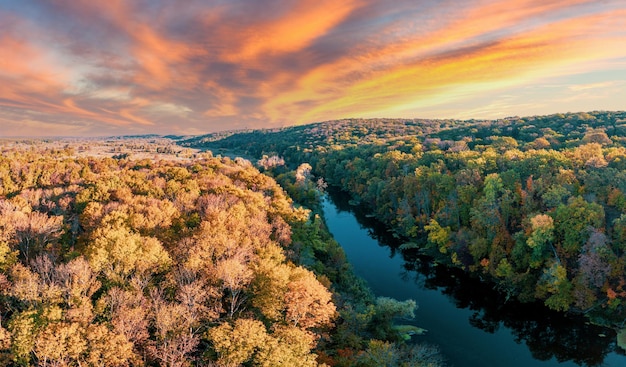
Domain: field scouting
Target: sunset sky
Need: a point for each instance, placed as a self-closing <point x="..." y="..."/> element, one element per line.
<point x="88" y="67"/>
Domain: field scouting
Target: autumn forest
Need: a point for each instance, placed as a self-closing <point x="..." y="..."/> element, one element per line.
<point x="212" y="250"/>
<point x="110" y="261"/>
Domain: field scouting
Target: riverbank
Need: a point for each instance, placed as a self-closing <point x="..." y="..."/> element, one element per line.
<point x="467" y="319"/>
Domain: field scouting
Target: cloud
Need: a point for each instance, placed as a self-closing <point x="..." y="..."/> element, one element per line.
<point x="160" y="66"/>
<point x="547" y="50"/>
<point x="293" y="30"/>
<point x="599" y="85"/>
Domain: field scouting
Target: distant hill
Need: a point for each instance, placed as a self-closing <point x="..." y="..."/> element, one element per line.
<point x="560" y="130"/>
<point x="140" y="136"/>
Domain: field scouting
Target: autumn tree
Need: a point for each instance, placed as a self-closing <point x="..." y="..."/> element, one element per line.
<point x="237" y="343"/>
<point x="308" y="303"/>
<point x="235" y="275"/>
<point x="60" y="344"/>
<point x="119" y="252"/>
<point x="269" y="285"/>
<point x="541" y="238"/>
<point x="31" y="230"/>
<point x="128" y="311"/>
<point x="108" y="348"/>
<point x="555" y="287"/>
<point x="175" y="332"/>
<point x="287" y="346"/>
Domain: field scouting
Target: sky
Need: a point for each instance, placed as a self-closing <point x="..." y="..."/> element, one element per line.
<point x="99" y="68"/>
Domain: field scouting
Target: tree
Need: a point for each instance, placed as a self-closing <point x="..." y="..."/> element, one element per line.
<point x="60" y="344"/>
<point x="235" y="275"/>
<point x="119" y="252"/>
<point x="492" y="187"/>
<point x="619" y="234"/>
<point x="32" y="230"/>
<point x="77" y="280"/>
<point x="556" y="287"/>
<point x="201" y="300"/>
<point x="438" y="236"/>
<point x="271" y="276"/>
<point x="572" y="222"/>
<point x="23" y="327"/>
<point x="597" y="136"/>
<point x="380" y="353"/>
<point x="236" y="343"/>
<point x="7" y="256"/>
<point x="5" y="346"/>
<point x="128" y="311"/>
<point x="594" y="262"/>
<point x="302" y="173"/>
<point x="29" y="288"/>
<point x="589" y="155"/>
<point x="107" y="348"/>
<point x="554" y="196"/>
<point x="541" y="237"/>
<point x="385" y="311"/>
<point x="175" y="332"/>
<point x="308" y="302"/>
<point x="271" y="162"/>
<point x="287" y="346"/>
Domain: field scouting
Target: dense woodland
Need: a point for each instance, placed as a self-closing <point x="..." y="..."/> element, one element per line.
<point x="534" y="205"/>
<point x="174" y="262"/>
<point x="169" y="257"/>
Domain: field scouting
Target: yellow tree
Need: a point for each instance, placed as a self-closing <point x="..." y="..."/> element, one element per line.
<point x="271" y="276"/>
<point x="60" y="344"/>
<point x="77" y="280"/>
<point x="5" y="345"/>
<point x="541" y="238"/>
<point x="7" y="256"/>
<point x="307" y="301"/>
<point x="119" y="252"/>
<point x="236" y="343"/>
<point x="202" y="301"/>
<point x="287" y="346"/>
<point x="30" y="288"/>
<point x="23" y="328"/>
<point x="107" y="348"/>
<point x="77" y="283"/>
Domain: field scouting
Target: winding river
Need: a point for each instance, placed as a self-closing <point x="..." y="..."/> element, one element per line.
<point x="466" y="319"/>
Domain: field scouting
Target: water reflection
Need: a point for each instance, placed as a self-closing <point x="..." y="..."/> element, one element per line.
<point x="549" y="336"/>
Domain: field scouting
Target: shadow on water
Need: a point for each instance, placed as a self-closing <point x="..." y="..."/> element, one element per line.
<point x="548" y="335"/>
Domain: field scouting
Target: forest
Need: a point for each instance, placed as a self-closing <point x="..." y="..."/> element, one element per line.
<point x="174" y="251"/>
<point x="177" y="258"/>
<point x="534" y="205"/>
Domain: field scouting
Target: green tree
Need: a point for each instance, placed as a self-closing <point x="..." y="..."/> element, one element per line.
<point x="556" y="287"/>
<point x="572" y="222"/>
<point x="541" y="238"/>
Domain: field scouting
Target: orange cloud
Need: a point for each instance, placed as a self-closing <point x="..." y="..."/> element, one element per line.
<point x="202" y="66"/>
<point x="24" y="66"/>
<point x="410" y="83"/>
<point x="294" y="30"/>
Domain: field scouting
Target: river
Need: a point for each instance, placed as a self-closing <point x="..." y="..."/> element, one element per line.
<point x="469" y="322"/>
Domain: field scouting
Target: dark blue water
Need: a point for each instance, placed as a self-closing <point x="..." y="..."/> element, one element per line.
<point x="471" y="323"/>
